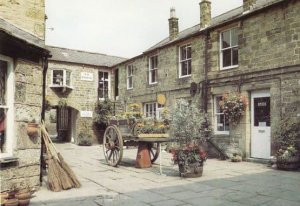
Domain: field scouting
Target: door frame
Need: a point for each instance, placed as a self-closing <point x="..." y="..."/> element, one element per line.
<point x="258" y="94"/>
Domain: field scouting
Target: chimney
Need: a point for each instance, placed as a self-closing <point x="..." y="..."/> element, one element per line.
<point x="248" y="5"/>
<point x="205" y="13"/>
<point x="173" y="25"/>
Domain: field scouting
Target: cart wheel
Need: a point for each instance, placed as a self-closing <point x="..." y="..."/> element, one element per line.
<point x="113" y="145"/>
<point x="154" y="149"/>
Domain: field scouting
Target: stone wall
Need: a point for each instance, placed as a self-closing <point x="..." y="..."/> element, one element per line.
<point x="169" y="82"/>
<point x="28" y="15"/>
<point x="83" y="95"/>
<point x="28" y="103"/>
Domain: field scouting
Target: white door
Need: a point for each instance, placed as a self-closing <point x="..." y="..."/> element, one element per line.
<point x="260" y="125"/>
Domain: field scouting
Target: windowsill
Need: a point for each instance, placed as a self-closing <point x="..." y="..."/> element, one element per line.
<point x="230" y="67"/>
<point x="186" y="76"/>
<point x="6" y="162"/>
<point x="61" y="86"/>
<point x="221" y="133"/>
<point x="130" y="88"/>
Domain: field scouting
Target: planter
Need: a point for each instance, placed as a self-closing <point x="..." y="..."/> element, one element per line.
<point x="24" y="202"/>
<point x="153" y="135"/>
<point x="191" y="170"/>
<point x="33" y="129"/>
<point x="291" y="163"/>
<point x="12" y="202"/>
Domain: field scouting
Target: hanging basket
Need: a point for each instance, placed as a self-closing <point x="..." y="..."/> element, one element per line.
<point x="290" y="163"/>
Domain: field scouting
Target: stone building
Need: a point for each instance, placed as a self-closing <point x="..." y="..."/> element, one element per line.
<point x="253" y="50"/>
<point x="23" y="60"/>
<point x="77" y="79"/>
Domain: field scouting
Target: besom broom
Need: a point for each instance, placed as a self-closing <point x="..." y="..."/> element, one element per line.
<point x="60" y="175"/>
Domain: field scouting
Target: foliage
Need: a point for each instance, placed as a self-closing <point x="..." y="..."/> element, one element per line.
<point x="62" y="102"/>
<point x="85" y="138"/>
<point x="190" y="129"/>
<point x="286" y="135"/>
<point x="103" y="112"/>
<point x="234" y="106"/>
<point x="152" y="128"/>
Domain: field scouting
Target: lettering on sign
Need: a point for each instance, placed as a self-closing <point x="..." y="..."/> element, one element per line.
<point x="262" y="104"/>
<point x="86" y="114"/>
<point x="86" y="76"/>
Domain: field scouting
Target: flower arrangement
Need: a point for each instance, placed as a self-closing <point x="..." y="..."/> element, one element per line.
<point x="287" y="152"/>
<point x="190" y="129"/>
<point x="153" y="128"/>
<point x="234" y="106"/>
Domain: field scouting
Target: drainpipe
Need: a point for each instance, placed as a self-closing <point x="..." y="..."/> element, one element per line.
<point x="45" y="68"/>
<point x="205" y="92"/>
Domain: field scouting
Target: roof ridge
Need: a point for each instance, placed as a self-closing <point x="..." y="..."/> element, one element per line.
<point x="83" y="51"/>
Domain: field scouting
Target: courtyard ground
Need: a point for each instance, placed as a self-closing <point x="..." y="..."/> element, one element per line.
<point x="222" y="183"/>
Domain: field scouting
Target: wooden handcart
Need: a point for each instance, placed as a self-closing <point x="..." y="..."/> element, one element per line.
<point x="122" y="133"/>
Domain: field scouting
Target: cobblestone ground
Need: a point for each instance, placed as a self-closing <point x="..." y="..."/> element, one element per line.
<point x="222" y="183"/>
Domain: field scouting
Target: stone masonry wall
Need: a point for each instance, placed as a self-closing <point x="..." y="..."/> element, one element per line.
<point x="28" y="15"/>
<point x="169" y="82"/>
<point x="84" y="94"/>
<point x="28" y="103"/>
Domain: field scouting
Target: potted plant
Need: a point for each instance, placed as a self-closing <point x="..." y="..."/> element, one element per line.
<point x="103" y="112"/>
<point x="286" y="134"/>
<point x="190" y="128"/>
<point x="32" y="128"/>
<point x="234" y="106"/>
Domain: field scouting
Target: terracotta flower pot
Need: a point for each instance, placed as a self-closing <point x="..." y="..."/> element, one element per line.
<point x="24" y="202"/>
<point x="32" y="129"/>
<point x="12" y="202"/>
<point x="191" y="170"/>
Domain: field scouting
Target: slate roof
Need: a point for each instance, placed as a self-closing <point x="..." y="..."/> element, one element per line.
<point x="18" y="33"/>
<point x="230" y="15"/>
<point x="83" y="57"/>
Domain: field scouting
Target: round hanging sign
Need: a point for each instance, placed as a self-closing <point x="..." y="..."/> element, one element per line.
<point x="161" y="99"/>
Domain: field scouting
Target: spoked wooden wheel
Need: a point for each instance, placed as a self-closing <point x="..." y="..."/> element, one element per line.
<point x="154" y="149"/>
<point x="113" y="145"/>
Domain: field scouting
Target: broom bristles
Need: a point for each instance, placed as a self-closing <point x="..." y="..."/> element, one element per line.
<point x="69" y="171"/>
<point x="60" y="175"/>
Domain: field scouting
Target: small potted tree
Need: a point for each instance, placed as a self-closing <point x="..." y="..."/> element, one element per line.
<point x="190" y="128"/>
<point x="286" y="134"/>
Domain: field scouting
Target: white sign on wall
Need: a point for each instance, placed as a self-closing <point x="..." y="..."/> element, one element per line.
<point x="86" y="76"/>
<point x="86" y="114"/>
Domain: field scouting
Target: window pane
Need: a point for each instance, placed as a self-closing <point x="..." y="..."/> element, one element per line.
<point x="2" y="130"/>
<point x="234" y="37"/>
<point x="189" y="52"/>
<point x="220" y="122"/>
<point x="218" y="107"/>
<point x="183" y="68"/>
<point x="225" y="39"/>
<point x="130" y="82"/>
<point x="3" y="74"/>
<point x="235" y="56"/>
<point x="68" y="80"/>
<point x="262" y="111"/>
<point x="153" y="76"/>
<point x="183" y="53"/>
<point x="106" y="75"/>
<point x="189" y="67"/>
<point x="58" y="77"/>
<point x="226" y="57"/>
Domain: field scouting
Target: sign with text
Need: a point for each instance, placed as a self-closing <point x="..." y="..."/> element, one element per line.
<point x="86" y="76"/>
<point x="86" y="114"/>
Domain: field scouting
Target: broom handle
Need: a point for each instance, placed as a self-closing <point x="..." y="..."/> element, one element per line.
<point x="47" y="136"/>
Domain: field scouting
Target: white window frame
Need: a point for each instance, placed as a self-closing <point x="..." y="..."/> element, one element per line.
<point x="107" y="80"/>
<point x="230" y="47"/>
<point x="184" y="60"/>
<point x="156" y="110"/>
<point x="225" y="132"/>
<point x="10" y="137"/>
<point x="129" y="76"/>
<point x="64" y="78"/>
<point x="153" y="69"/>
